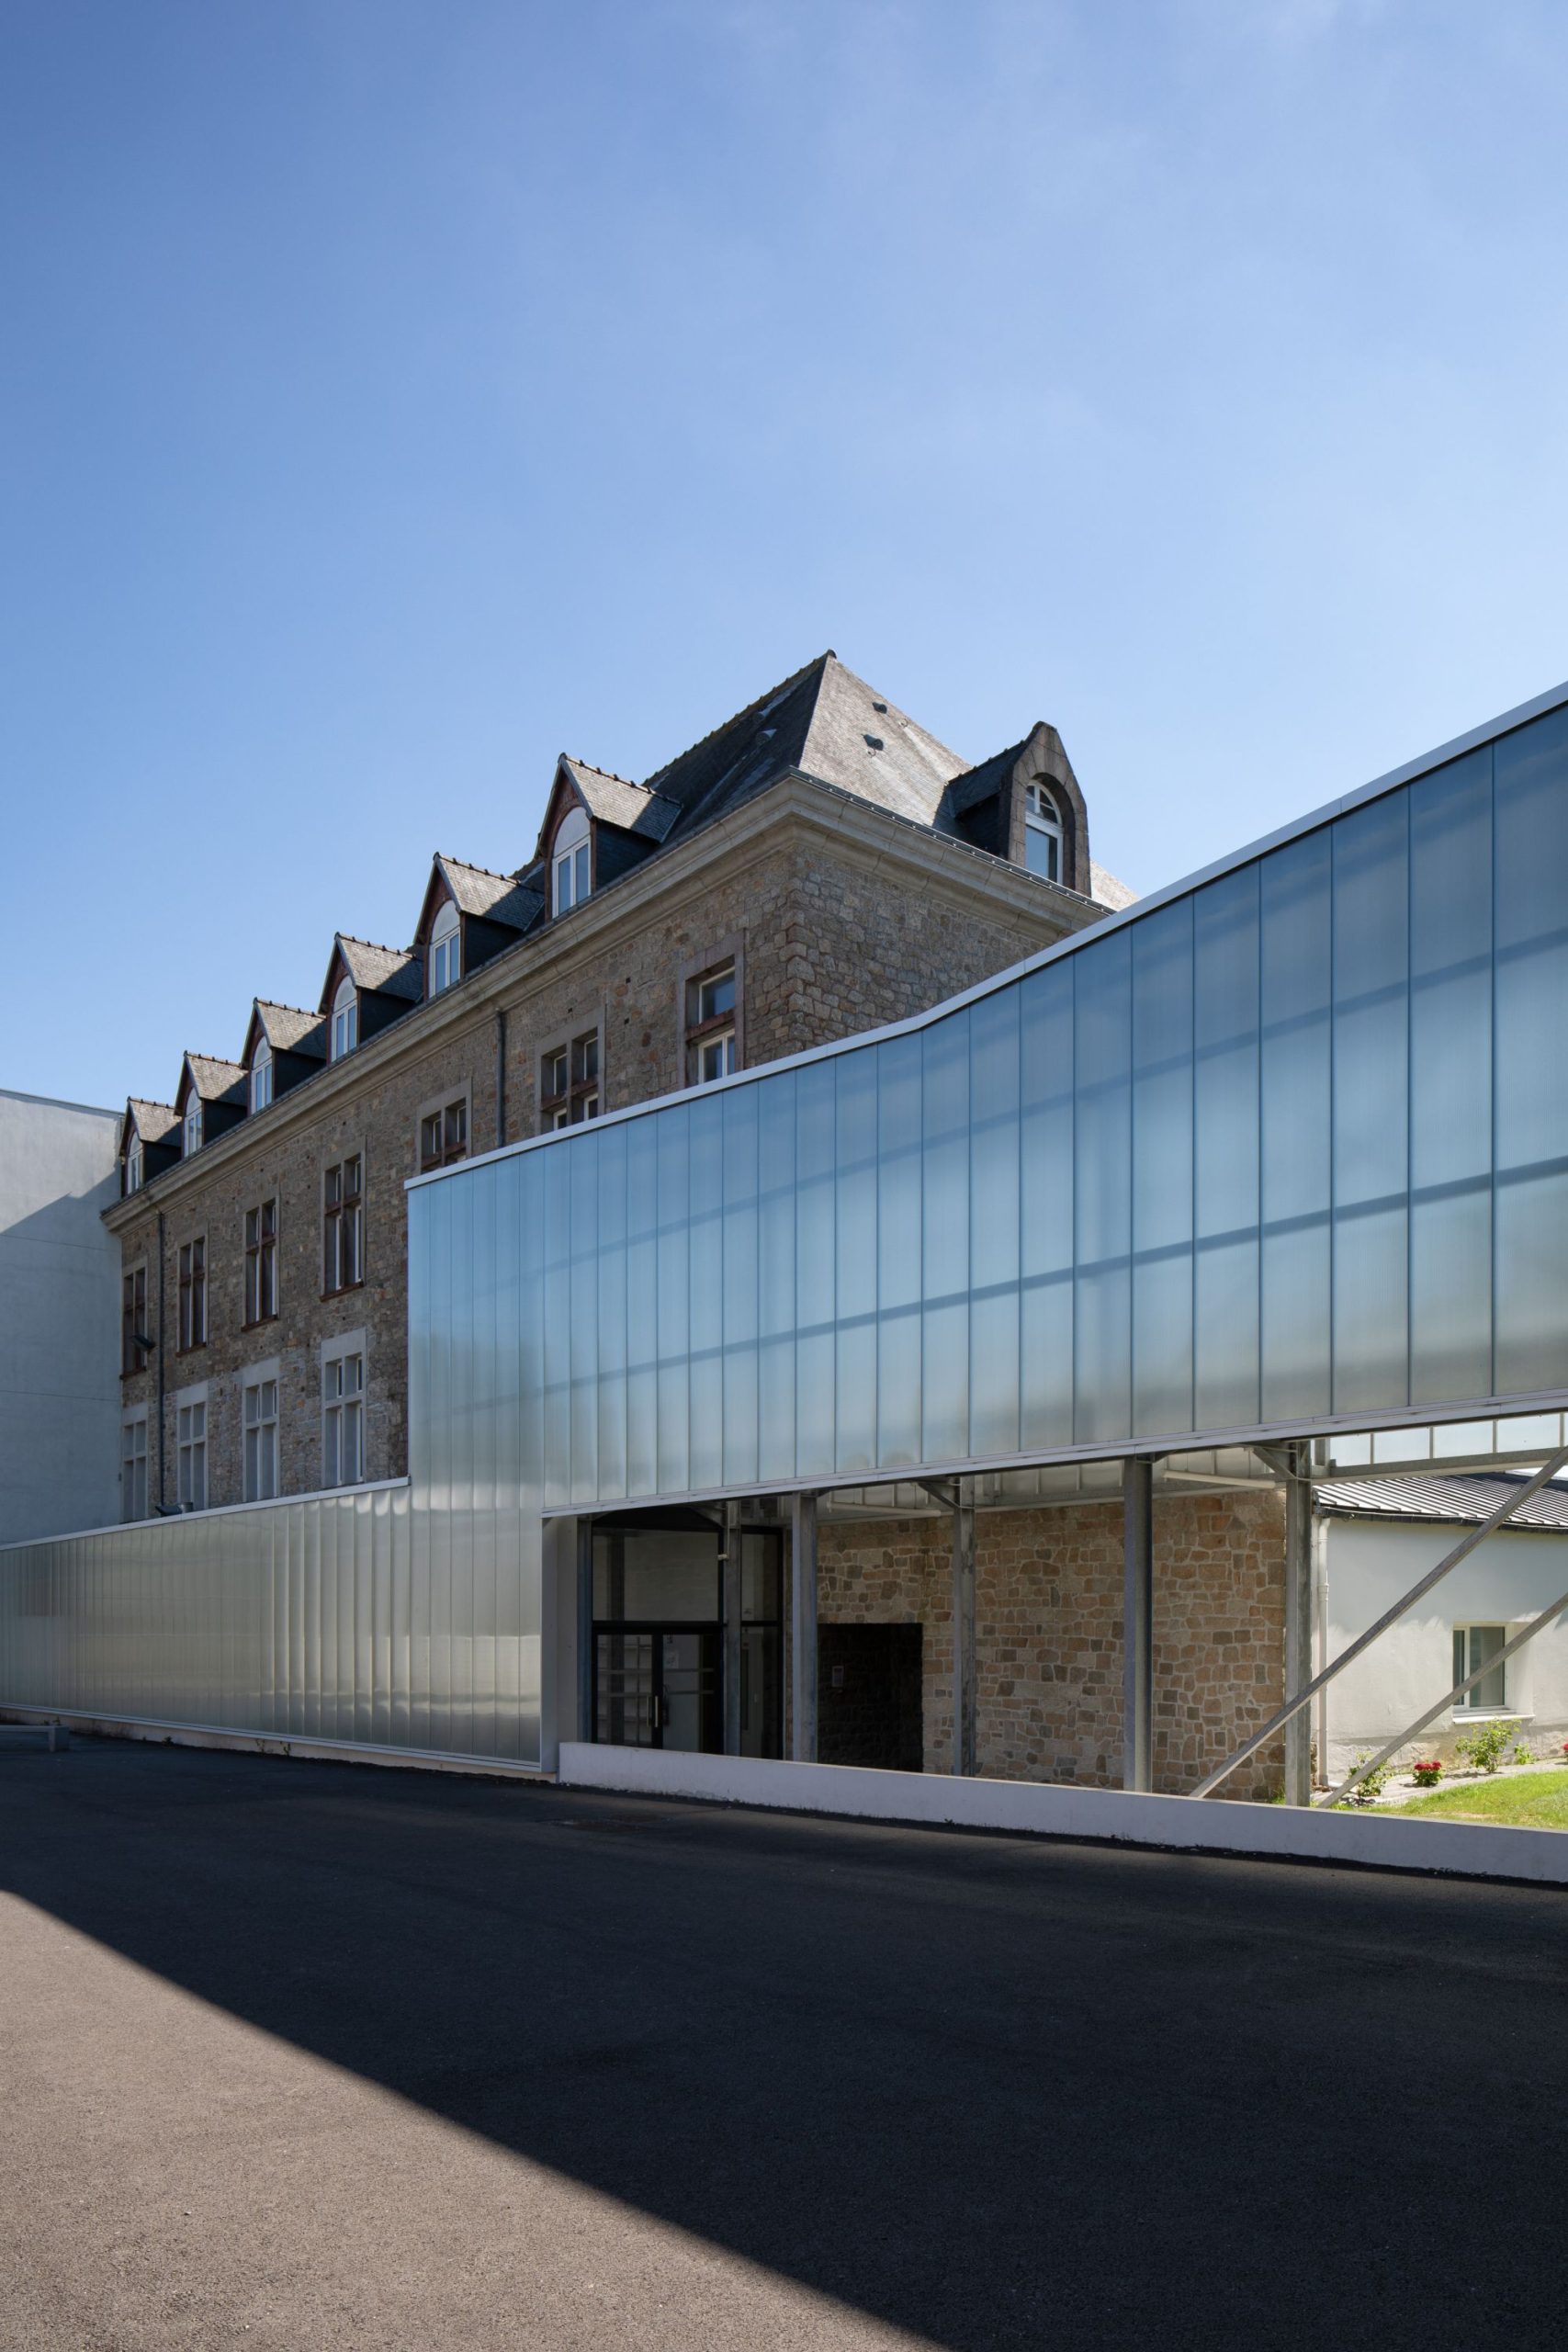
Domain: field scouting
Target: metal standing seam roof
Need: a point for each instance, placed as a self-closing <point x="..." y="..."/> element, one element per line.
<point x="1465" y="1500"/>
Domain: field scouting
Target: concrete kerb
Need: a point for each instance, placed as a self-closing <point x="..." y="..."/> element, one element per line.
<point x="1098" y="1816"/>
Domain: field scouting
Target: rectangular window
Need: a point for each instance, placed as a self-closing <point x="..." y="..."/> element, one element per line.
<point x="568" y="1082"/>
<point x="344" y="1225"/>
<point x="260" y="1441"/>
<point x="710" y="1025"/>
<point x="343" y="1420"/>
<point x="261" y="1263"/>
<point x="133" y="1468"/>
<point x="1476" y="1647"/>
<point x="443" y="1135"/>
<point x="133" y="1332"/>
<point x="193" y="1293"/>
<point x="191" y="1435"/>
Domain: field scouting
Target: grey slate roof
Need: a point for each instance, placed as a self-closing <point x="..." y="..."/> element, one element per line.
<point x="288" y="1030"/>
<point x="617" y="801"/>
<point x="213" y="1077"/>
<point x="497" y="898"/>
<point x="1465" y="1501"/>
<point x="155" y="1122"/>
<point x="387" y="971"/>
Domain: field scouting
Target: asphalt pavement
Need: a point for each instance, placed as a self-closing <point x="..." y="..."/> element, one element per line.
<point x="308" y="2057"/>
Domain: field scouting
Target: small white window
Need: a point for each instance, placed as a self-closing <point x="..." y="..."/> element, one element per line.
<point x="346" y="1019"/>
<point x="260" y="1441"/>
<point x="193" y="1126"/>
<point x="571" y="862"/>
<point x="446" y="949"/>
<point x="191" y="1432"/>
<point x="133" y="1468"/>
<point x="261" y="1076"/>
<point x="1475" y="1648"/>
<point x="1042" y="832"/>
<point x="343" y="1420"/>
<point x="133" y="1164"/>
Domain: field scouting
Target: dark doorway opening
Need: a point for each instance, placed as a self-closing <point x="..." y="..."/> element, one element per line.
<point x="869" y="1696"/>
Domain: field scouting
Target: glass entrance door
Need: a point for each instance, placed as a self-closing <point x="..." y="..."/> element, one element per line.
<point x="659" y="1687"/>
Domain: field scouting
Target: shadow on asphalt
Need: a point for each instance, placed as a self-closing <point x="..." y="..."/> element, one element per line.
<point x="996" y="2092"/>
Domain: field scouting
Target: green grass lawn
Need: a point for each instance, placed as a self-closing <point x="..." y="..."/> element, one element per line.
<point x="1524" y="1801"/>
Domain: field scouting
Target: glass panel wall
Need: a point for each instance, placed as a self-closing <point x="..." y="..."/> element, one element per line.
<point x="1290" y="1146"/>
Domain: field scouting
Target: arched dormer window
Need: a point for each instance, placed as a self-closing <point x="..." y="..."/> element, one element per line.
<point x="133" y="1163"/>
<point x="568" y="862"/>
<point x="1042" y="831"/>
<point x="193" y="1128"/>
<point x="261" y="1076"/>
<point x="346" y="1019"/>
<point x="445" y="963"/>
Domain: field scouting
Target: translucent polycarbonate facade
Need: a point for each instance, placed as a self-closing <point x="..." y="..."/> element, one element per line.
<point x="328" y="1617"/>
<point x="1288" y="1148"/>
<point x="1284" y="1150"/>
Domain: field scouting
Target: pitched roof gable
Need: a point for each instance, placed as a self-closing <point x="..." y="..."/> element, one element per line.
<point x="496" y="898"/>
<point x="615" y="801"/>
<point x="288" y="1030"/>
<point x="210" y="1078"/>
<point x="155" y="1121"/>
<point x="384" y="971"/>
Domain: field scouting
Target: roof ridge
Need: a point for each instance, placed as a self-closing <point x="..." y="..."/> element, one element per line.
<point x="575" y="758"/>
<point x="276" y="1004"/>
<point x="769" y="693"/>
<point x="378" y="945"/>
<point x="450" y="858"/>
<point x="195" y="1054"/>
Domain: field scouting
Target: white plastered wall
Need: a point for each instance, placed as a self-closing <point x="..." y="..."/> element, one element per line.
<point x="1369" y="1563"/>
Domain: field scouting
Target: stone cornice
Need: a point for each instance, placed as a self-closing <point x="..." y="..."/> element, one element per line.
<point x="795" y="809"/>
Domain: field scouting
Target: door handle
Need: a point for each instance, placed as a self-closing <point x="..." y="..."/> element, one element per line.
<point x="653" y="1712"/>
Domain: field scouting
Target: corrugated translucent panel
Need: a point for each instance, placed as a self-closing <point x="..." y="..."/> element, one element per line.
<point x="1295" y="945"/>
<point x="1372" y="1148"/>
<point x="1531" y="900"/>
<point x="1450" y="1080"/>
<point x="1047" y="1248"/>
<point x="277" y="1617"/>
<point x="1102" y="1190"/>
<point x="1162" y="1171"/>
<point x="1226" y="1144"/>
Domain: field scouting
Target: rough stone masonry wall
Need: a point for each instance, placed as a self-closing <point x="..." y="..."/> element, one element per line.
<point x="1048" y="1632"/>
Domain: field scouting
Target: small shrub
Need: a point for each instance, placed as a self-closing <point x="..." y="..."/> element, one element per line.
<point x="1367" y="1792"/>
<point x="1523" y="1753"/>
<point x="1487" y="1747"/>
<point x="1427" y="1774"/>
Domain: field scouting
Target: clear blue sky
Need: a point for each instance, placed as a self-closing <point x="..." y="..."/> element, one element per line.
<point x="394" y="395"/>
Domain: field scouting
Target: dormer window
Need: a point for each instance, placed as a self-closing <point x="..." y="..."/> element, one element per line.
<point x="446" y="964"/>
<point x="1042" y="832"/>
<point x="345" y="1020"/>
<point x="193" y="1128"/>
<point x="569" y="865"/>
<point x="261" y="1076"/>
<point x="133" y="1163"/>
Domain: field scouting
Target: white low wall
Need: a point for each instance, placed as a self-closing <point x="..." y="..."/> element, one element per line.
<point x="1208" y="1825"/>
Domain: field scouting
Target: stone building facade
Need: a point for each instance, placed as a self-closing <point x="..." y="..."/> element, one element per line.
<point x="818" y="866"/>
<point x="1048" y="1643"/>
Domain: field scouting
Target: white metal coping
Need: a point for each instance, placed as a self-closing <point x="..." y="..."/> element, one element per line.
<point x="1520" y="716"/>
<point x="205" y="1517"/>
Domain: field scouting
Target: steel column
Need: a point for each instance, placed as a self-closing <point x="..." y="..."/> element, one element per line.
<point x="1138" y="1651"/>
<point x="964" y="1695"/>
<point x="585" y="1725"/>
<point x="1298" y="1621"/>
<point x="802" y="1628"/>
<point x="730" y="1563"/>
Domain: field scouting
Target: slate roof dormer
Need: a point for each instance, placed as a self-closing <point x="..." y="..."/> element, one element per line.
<point x="385" y="982"/>
<point x="219" y="1085"/>
<point x="152" y="1130"/>
<point x="493" y="912"/>
<point x="296" y="1040"/>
